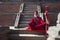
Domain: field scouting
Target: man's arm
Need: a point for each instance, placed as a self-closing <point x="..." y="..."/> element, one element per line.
<point x="46" y="17"/>
<point x="31" y="22"/>
<point x="41" y="23"/>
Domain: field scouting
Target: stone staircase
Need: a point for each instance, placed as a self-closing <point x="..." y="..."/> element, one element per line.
<point x="21" y="33"/>
<point x="27" y="14"/>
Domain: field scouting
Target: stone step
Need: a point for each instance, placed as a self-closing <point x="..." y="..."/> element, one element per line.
<point x="27" y="37"/>
<point x="4" y="30"/>
<point x="57" y="38"/>
<point x="30" y="9"/>
<point x="4" y="33"/>
<point x="31" y="32"/>
<point x="28" y="15"/>
<point x="23" y="25"/>
<point x="30" y="5"/>
<point x="4" y="38"/>
<point x="33" y="3"/>
<point x="24" y="31"/>
<point x="50" y="13"/>
<point x="14" y="32"/>
<point x="24" y="22"/>
<point x="25" y="19"/>
<point x="29" y="2"/>
<point x="35" y="7"/>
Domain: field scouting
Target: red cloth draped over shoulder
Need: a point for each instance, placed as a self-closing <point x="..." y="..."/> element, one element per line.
<point x="38" y="25"/>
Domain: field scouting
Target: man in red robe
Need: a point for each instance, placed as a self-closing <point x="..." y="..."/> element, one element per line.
<point x="36" y="23"/>
<point x="46" y="17"/>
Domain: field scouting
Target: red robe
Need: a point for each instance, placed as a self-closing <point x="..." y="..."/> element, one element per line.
<point x="38" y="25"/>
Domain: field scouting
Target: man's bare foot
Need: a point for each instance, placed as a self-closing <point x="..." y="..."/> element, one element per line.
<point x="26" y="28"/>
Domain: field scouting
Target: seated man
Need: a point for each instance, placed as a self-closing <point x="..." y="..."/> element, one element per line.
<point x="36" y="23"/>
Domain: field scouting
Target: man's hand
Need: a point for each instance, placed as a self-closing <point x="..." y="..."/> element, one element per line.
<point x="47" y="23"/>
<point x="45" y="13"/>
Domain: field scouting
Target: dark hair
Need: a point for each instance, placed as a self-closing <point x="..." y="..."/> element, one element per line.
<point x="36" y="12"/>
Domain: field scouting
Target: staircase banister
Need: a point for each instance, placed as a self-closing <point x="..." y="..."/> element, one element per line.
<point x="17" y="17"/>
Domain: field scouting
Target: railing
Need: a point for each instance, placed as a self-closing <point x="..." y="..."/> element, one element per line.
<point x="17" y="17"/>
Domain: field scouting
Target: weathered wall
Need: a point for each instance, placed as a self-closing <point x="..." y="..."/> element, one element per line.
<point x="10" y="0"/>
<point x="32" y="0"/>
<point x="9" y="8"/>
<point x="7" y="14"/>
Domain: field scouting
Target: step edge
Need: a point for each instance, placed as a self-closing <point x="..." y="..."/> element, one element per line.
<point x="28" y="35"/>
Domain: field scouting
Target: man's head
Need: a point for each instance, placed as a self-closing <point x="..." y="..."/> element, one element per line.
<point x="46" y="7"/>
<point x="36" y="14"/>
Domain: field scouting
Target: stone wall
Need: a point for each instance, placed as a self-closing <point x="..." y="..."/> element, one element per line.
<point x="8" y="14"/>
<point x="10" y="0"/>
<point x="9" y="7"/>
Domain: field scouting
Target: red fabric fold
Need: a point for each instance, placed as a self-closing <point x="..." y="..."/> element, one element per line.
<point x="39" y="26"/>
